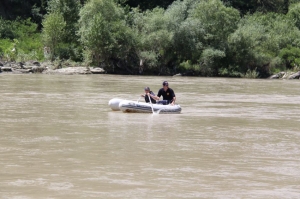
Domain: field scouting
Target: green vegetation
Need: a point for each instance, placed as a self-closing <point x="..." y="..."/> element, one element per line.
<point x="20" y="40"/>
<point x="53" y="32"/>
<point x="230" y="38"/>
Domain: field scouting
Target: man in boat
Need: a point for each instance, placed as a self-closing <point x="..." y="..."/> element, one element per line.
<point x="167" y="93"/>
<point x="149" y="94"/>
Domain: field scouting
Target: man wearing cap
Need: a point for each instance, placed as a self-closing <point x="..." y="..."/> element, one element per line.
<point x="149" y="94"/>
<point x="167" y="93"/>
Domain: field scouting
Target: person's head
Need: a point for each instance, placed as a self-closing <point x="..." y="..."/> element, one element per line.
<point x="147" y="89"/>
<point x="165" y="85"/>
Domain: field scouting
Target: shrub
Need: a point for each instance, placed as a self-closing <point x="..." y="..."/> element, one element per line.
<point x="251" y="74"/>
<point x="210" y="61"/>
<point x="231" y="71"/>
<point x="258" y="41"/>
<point x="293" y="14"/>
<point x="188" y="68"/>
<point x="53" y="32"/>
<point x="106" y="37"/>
<point x="23" y="37"/>
<point x="291" y="56"/>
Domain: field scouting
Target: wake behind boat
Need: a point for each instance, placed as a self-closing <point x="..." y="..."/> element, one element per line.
<point x="142" y="107"/>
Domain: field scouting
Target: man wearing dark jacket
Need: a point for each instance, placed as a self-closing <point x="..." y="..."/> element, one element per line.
<point x="167" y="93"/>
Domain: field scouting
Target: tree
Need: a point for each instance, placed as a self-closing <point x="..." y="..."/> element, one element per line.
<point x="291" y="57"/>
<point x="167" y="37"/>
<point x="218" y="22"/>
<point x="70" y="47"/>
<point x="53" y="32"/>
<point x="259" y="39"/>
<point x="243" y="6"/>
<point x="155" y="39"/>
<point x="187" y="40"/>
<point x="148" y="5"/>
<point x="105" y="36"/>
<point x="13" y="9"/>
<point x="252" y="6"/>
<point x="293" y="14"/>
<point x="69" y="9"/>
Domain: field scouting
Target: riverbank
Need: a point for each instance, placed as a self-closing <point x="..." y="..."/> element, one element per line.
<point x="65" y="68"/>
<point x="72" y="68"/>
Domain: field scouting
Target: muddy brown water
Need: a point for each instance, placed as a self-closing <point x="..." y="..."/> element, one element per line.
<point x="235" y="138"/>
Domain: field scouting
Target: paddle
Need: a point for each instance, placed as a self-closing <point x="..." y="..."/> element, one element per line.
<point x="151" y="104"/>
<point x="138" y="100"/>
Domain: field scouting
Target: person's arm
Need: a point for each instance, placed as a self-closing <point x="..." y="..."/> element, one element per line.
<point x="157" y="96"/>
<point x="174" y="99"/>
<point x="152" y="95"/>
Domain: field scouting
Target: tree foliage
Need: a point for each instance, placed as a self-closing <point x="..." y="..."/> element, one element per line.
<point x="293" y="14"/>
<point x="107" y="40"/>
<point x="154" y="38"/>
<point x="53" y="32"/>
<point x="252" y="6"/>
<point x="291" y="56"/>
<point x="20" y="40"/>
<point x="259" y="39"/>
<point x="195" y="37"/>
<point x="70" y="47"/>
<point x="69" y="9"/>
<point x="146" y="4"/>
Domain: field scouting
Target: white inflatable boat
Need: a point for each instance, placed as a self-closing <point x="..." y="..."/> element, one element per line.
<point x="130" y="106"/>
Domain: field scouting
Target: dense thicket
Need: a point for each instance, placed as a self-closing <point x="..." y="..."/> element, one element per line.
<point x="11" y="9"/>
<point x="195" y="37"/>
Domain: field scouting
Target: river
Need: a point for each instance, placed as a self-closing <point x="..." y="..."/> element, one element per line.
<point x="235" y="138"/>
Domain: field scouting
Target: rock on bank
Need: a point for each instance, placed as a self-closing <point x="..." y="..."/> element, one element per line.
<point x="47" y="68"/>
<point x="286" y="75"/>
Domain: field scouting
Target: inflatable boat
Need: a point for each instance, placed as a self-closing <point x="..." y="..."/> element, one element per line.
<point x="130" y="106"/>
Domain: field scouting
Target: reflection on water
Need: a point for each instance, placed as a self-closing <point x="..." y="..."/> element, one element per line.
<point x="235" y="138"/>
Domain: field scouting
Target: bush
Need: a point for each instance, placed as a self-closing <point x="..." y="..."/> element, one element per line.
<point x="210" y="61"/>
<point x="6" y="31"/>
<point x="258" y="41"/>
<point x="293" y="14"/>
<point x="231" y="71"/>
<point x="291" y="56"/>
<point x="217" y="20"/>
<point x="107" y="39"/>
<point x="188" y="68"/>
<point x="250" y="74"/>
<point x="277" y="65"/>
<point x="21" y="40"/>
<point x="53" y="32"/>
<point x="6" y="47"/>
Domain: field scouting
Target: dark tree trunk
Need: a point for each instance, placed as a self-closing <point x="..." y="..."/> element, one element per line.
<point x="3" y="9"/>
<point x="286" y="4"/>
